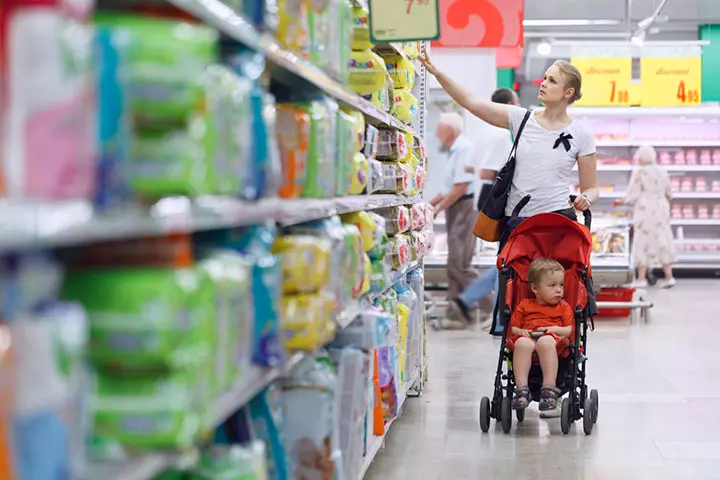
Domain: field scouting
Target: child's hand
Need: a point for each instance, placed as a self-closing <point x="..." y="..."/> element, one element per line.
<point x="553" y="330"/>
<point x="525" y="333"/>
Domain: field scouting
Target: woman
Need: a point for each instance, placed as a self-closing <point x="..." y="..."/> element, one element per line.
<point x="650" y="195"/>
<point x="549" y="146"/>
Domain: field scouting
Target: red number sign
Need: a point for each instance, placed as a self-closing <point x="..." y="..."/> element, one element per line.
<point x="480" y="23"/>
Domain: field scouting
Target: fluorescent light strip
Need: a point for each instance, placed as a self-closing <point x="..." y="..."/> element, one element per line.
<point x="568" y="23"/>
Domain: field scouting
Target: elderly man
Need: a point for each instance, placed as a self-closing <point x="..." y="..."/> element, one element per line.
<point x="457" y="201"/>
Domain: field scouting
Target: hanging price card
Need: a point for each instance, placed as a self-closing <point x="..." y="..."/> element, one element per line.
<point x="668" y="82"/>
<point x="404" y="20"/>
<point x="605" y="81"/>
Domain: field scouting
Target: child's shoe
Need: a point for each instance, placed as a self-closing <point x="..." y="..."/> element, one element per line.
<point x="549" y="398"/>
<point x="521" y="399"/>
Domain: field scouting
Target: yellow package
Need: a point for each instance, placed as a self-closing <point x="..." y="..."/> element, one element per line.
<point x="384" y="98"/>
<point x="361" y="29"/>
<point x="406" y="106"/>
<point x="403" y="321"/>
<point x="401" y="70"/>
<point x="367" y="226"/>
<point x="406" y="153"/>
<point x="292" y="30"/>
<point x="411" y="49"/>
<point x="305" y="262"/>
<point x="308" y="321"/>
<point x="361" y="170"/>
<point x="360" y="128"/>
<point x="367" y="72"/>
<point x="366" y="275"/>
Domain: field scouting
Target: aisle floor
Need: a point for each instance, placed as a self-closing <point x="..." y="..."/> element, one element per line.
<point x="659" y="414"/>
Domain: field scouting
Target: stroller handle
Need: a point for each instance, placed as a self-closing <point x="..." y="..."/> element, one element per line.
<point x="587" y="213"/>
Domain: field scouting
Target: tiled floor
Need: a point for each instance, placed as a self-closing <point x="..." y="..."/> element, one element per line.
<point x="659" y="412"/>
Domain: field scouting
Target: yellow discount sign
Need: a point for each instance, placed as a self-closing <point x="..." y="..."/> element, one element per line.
<point x="606" y="81"/>
<point x="668" y="82"/>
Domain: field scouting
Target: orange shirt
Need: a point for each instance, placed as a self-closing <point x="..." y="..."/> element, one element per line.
<point x="530" y="315"/>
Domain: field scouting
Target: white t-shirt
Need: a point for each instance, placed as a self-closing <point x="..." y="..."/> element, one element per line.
<point x="542" y="171"/>
<point x="460" y="157"/>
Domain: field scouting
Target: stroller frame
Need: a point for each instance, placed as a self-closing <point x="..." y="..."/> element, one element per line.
<point x="572" y="370"/>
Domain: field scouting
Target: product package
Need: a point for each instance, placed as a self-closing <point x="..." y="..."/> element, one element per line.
<point x="397" y="219"/>
<point x="320" y="176"/>
<point x="341" y="39"/>
<point x="346" y="134"/>
<point x="359" y="180"/>
<point x="391" y="145"/>
<point x="367" y="72"/>
<point x="406" y="106"/>
<point x="305" y="261"/>
<point x="308" y="320"/>
<point x="293" y="32"/>
<point x="361" y="29"/>
<point x="401" y="70"/>
<point x="231" y="462"/>
<point x="400" y="250"/>
<point x="49" y="101"/>
<point x="268" y="421"/>
<point x="293" y="136"/>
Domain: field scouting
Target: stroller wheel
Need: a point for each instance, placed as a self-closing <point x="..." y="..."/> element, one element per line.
<point x="506" y="414"/>
<point x="565" y="413"/>
<point x="485" y="414"/>
<point x="594" y="396"/>
<point x="520" y="414"/>
<point x="589" y="414"/>
<point x="652" y="278"/>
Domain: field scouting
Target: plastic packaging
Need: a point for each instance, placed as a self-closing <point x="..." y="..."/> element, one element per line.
<point x="406" y="106"/>
<point x="293" y="31"/>
<point x="397" y="219"/>
<point x="361" y="29"/>
<point x="367" y="72"/>
<point x="345" y="139"/>
<point x="391" y="145"/>
<point x="232" y="462"/>
<point x="358" y="182"/>
<point x="293" y="135"/>
<point x="401" y="70"/>
<point x="305" y="262"/>
<point x="320" y="177"/>
<point x="308" y="321"/>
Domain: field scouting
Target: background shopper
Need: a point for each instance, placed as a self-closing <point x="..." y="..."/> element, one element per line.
<point x="457" y="202"/>
<point x="650" y="195"/>
<point x="498" y="144"/>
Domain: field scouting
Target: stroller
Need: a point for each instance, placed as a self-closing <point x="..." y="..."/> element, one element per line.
<point x="553" y="236"/>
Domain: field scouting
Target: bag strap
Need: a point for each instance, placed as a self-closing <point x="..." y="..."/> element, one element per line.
<point x="519" y="133"/>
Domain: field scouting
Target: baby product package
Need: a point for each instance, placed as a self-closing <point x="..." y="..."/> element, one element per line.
<point x="346" y="128"/>
<point x="340" y="41"/>
<point x="268" y="423"/>
<point x="401" y="70"/>
<point x="360" y="171"/>
<point x="406" y="106"/>
<point x="232" y="462"/>
<point x="308" y="320"/>
<point x="397" y="219"/>
<point x="51" y="384"/>
<point x="164" y="317"/>
<point x="361" y="29"/>
<point x="311" y="419"/>
<point x="293" y="31"/>
<point x="367" y="72"/>
<point x="320" y="179"/>
<point x="306" y="262"/>
<point x="49" y="143"/>
<point x="319" y="26"/>
<point x="391" y="145"/>
<point x="293" y="137"/>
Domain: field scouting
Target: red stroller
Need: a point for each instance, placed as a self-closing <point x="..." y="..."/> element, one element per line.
<point x="548" y="235"/>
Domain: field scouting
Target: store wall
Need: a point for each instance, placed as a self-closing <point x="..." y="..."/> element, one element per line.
<point x="475" y="70"/>
<point x="710" y="63"/>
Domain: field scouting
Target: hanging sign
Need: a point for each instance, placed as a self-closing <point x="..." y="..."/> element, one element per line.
<point x="481" y="23"/>
<point x="606" y="82"/>
<point x="670" y="82"/>
<point x="404" y="20"/>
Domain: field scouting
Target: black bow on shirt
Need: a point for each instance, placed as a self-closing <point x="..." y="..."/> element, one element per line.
<point x="565" y="140"/>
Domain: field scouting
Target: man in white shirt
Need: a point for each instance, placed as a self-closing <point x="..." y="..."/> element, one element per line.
<point x="457" y="201"/>
<point x="498" y="144"/>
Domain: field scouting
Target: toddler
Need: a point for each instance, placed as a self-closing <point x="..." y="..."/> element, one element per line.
<point x="543" y="326"/>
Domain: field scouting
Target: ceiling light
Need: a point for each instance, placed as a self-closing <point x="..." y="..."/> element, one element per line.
<point x="567" y="23"/>
<point x="544" y="48"/>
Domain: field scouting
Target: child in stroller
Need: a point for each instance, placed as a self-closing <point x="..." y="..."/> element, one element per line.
<point x="542" y="326"/>
<point x="555" y="364"/>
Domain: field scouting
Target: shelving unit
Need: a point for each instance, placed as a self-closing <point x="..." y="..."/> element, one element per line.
<point x="49" y="225"/>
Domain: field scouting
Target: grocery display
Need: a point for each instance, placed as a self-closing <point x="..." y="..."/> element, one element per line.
<point x="211" y="263"/>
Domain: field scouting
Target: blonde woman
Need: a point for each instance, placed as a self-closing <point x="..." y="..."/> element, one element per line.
<point x="650" y="195"/>
<point x="549" y="147"/>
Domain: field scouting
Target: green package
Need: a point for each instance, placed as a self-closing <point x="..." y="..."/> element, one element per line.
<point x="234" y="462"/>
<point x="165" y="61"/>
<point x="143" y="411"/>
<point x="145" y="317"/>
<point x="320" y="180"/>
<point x="345" y="138"/>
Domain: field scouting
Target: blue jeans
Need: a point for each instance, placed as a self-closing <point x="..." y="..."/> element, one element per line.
<point x="479" y="288"/>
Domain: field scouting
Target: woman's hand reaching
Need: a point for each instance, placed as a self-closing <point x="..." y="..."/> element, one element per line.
<point x="429" y="66"/>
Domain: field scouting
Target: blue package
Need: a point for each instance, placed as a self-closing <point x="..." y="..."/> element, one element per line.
<point x="254" y="243"/>
<point x="114" y="122"/>
<point x="266" y="414"/>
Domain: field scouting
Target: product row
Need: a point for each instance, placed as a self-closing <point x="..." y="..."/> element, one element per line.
<point x="675" y="157"/>
<point x="698" y="184"/>
<point x="181" y="113"/>
<point x="689" y="211"/>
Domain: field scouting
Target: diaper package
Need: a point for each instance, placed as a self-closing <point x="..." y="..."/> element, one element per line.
<point x="231" y="462"/>
<point x="319" y="27"/>
<point x="401" y="70"/>
<point x="293" y="31"/>
<point x="397" y="219"/>
<point x="308" y="320"/>
<point x="341" y="39"/>
<point x="49" y="101"/>
<point x="293" y="137"/>
<point x="359" y="179"/>
<point x="361" y="29"/>
<point x="400" y="251"/>
<point x="346" y="128"/>
<point x="391" y="145"/>
<point x="320" y="176"/>
<point x="406" y="106"/>
<point x="305" y="262"/>
<point x="367" y="72"/>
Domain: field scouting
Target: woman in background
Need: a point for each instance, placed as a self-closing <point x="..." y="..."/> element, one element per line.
<point x="650" y="195"/>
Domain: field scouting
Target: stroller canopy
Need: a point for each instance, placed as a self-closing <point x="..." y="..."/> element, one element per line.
<point x="548" y="235"/>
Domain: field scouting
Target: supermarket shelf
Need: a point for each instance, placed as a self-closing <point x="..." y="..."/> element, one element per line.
<point x="145" y="467"/>
<point x="669" y="168"/>
<point x="698" y="257"/>
<point x="223" y="18"/>
<point x="658" y="143"/>
<point x="634" y="112"/>
<point x="694" y="221"/>
<point x="57" y="224"/>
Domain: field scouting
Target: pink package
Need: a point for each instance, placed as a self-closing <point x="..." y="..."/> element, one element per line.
<point x="705" y="157"/>
<point x="716" y="157"/>
<point x="665" y="158"/>
<point x="691" y="157"/>
<point x="680" y="157"/>
<point x="703" y="212"/>
<point x="688" y="211"/>
<point x="716" y="211"/>
<point x="48" y="148"/>
<point x="686" y="185"/>
<point x="701" y="184"/>
<point x="675" y="184"/>
<point x="715" y="186"/>
<point x="417" y="216"/>
<point x="676" y="211"/>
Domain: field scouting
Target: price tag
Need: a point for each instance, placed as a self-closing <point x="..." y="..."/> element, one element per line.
<point x="669" y="82"/>
<point x="606" y="82"/>
<point x="404" y="20"/>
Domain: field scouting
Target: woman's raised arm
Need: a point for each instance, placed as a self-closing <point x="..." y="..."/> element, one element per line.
<point x="493" y="113"/>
